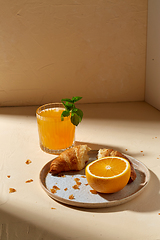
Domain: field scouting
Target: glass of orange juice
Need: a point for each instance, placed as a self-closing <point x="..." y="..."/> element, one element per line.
<point x="55" y="135"/>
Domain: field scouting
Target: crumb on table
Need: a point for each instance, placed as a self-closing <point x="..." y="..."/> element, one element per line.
<point x="28" y="161"/>
<point x="12" y="190"/>
<point x="29" y="181"/>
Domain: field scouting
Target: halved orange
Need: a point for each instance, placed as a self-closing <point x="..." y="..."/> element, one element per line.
<point x="108" y="174"/>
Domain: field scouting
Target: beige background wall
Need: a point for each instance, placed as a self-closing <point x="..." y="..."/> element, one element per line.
<point x="152" y="95"/>
<point x="51" y="49"/>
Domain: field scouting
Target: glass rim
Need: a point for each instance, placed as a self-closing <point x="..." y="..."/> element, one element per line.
<point x="47" y="106"/>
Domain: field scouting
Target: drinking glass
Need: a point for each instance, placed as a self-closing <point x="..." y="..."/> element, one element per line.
<point x="55" y="135"/>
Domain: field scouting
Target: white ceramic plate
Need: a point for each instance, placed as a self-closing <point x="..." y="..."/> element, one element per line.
<point x="82" y="196"/>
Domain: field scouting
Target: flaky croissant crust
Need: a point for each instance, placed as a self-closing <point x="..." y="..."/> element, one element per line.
<point x="110" y="152"/>
<point x="74" y="158"/>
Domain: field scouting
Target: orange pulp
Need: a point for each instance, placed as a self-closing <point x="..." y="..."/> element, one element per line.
<point x="108" y="174"/>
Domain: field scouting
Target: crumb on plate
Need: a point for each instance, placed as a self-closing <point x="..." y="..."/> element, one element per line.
<point x="75" y="186"/>
<point x="61" y="175"/>
<point x="93" y="191"/>
<point x="79" y="183"/>
<point x="71" y="196"/>
<point x="54" y="189"/>
<point x="77" y="180"/>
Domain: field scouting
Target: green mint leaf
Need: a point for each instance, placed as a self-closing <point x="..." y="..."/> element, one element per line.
<point x="75" y="99"/>
<point x="78" y="112"/>
<point x="65" y="113"/>
<point x="75" y="119"/>
<point x="66" y="100"/>
<point x="69" y="106"/>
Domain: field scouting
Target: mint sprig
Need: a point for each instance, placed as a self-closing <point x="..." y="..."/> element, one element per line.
<point x="71" y="110"/>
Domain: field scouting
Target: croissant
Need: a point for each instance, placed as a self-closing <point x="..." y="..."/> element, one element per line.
<point x="110" y="152"/>
<point x="74" y="158"/>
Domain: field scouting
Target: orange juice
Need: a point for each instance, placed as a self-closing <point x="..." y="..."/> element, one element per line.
<point x="54" y="134"/>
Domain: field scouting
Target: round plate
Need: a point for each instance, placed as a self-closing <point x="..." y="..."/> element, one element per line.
<point x="83" y="197"/>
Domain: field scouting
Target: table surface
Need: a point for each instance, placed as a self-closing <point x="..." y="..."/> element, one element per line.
<point x="29" y="213"/>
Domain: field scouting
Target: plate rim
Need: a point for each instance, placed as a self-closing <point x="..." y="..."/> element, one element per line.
<point x="44" y="171"/>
